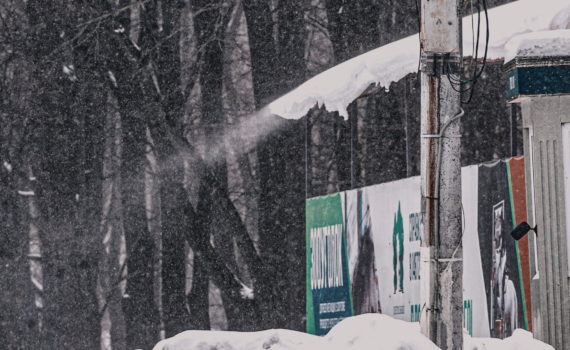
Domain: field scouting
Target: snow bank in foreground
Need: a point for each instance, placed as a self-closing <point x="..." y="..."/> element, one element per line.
<point x="276" y="339"/>
<point x="375" y="331"/>
<point x="340" y="85"/>
<point x="364" y="332"/>
<point x="370" y="331"/>
<point x="548" y="43"/>
<point x="520" y="340"/>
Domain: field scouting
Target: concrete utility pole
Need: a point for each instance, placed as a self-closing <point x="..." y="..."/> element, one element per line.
<point x="441" y="315"/>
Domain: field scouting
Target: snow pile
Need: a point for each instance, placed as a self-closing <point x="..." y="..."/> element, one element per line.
<point x="370" y="331"/>
<point x="375" y="331"/>
<point x="364" y="332"/>
<point x="514" y="19"/>
<point x="276" y="339"/>
<point x="548" y="43"/>
<point x="340" y="85"/>
<point x="520" y="340"/>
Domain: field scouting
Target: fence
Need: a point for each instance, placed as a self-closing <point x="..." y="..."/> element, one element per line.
<point x="363" y="252"/>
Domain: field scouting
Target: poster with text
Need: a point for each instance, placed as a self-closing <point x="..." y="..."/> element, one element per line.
<point x="328" y="287"/>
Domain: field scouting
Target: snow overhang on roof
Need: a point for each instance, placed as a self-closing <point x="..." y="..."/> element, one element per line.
<point x="337" y="87"/>
<point x="552" y="43"/>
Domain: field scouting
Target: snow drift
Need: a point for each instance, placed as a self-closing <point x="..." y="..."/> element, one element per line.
<point x="520" y="340"/>
<point x="340" y="85"/>
<point x="275" y="339"/>
<point x="364" y="332"/>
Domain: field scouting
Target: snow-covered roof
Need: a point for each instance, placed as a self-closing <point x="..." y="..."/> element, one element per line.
<point x="544" y="44"/>
<point x="339" y="86"/>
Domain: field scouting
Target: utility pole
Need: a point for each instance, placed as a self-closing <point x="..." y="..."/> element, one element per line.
<point x="441" y="315"/>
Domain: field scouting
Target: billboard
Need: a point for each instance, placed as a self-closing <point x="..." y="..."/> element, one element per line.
<point x="328" y="287"/>
<point x="381" y="252"/>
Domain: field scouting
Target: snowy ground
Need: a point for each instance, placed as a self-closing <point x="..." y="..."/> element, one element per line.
<point x="370" y="331"/>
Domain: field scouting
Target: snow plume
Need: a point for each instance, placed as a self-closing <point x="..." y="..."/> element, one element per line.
<point x="241" y="136"/>
<point x="337" y="87"/>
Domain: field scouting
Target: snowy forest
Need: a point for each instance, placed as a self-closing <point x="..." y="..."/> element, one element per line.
<point x="141" y="192"/>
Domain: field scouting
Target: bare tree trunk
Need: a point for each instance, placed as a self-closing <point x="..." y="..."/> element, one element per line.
<point x="88" y="210"/>
<point x="280" y="201"/>
<point x="263" y="50"/>
<point x="52" y="192"/>
<point x="35" y="253"/>
<point x="281" y="218"/>
<point x="353" y="27"/>
<point x="153" y="207"/>
<point x="198" y="299"/>
<point x="206" y="24"/>
<point x="141" y="314"/>
<point x="291" y="44"/>
<point x="319" y="55"/>
<point x="20" y="314"/>
<point x="141" y="311"/>
<point x="21" y="317"/>
<point x="110" y="285"/>
<point x="172" y="193"/>
<point x="241" y="156"/>
<point x="174" y="198"/>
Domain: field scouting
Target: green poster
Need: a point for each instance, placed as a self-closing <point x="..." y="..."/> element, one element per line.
<point x="328" y="284"/>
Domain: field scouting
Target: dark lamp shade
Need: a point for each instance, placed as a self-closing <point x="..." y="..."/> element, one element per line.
<point x="521" y="230"/>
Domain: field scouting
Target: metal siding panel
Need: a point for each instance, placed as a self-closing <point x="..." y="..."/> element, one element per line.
<point x="546" y="115"/>
<point x="553" y="237"/>
<point x="561" y="110"/>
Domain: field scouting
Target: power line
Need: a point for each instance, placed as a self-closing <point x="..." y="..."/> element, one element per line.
<point x="456" y="82"/>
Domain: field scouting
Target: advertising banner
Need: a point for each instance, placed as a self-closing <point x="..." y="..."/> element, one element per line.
<point x="328" y="287"/>
<point x="381" y="241"/>
<point x="394" y="211"/>
<point x="517" y="187"/>
<point x="499" y="251"/>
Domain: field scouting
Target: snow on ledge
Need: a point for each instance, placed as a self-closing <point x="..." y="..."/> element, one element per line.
<point x="342" y="84"/>
<point x="539" y="44"/>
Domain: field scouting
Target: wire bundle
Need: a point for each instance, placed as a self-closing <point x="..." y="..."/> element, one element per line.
<point x="457" y="82"/>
